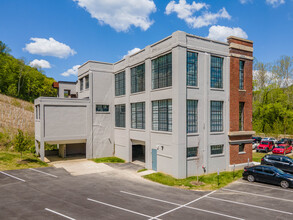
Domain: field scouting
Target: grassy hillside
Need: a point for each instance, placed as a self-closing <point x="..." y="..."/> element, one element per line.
<point x="15" y="114"/>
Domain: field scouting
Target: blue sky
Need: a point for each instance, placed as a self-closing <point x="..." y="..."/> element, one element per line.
<point x="62" y="34"/>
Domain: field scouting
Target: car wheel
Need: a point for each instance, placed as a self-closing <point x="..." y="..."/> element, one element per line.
<point x="257" y="151"/>
<point x="284" y="184"/>
<point x="267" y="150"/>
<point x="250" y="178"/>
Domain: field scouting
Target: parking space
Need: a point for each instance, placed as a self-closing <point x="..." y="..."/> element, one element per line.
<point x="51" y="193"/>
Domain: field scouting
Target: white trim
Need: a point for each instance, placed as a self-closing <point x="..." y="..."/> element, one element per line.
<point x="57" y="213"/>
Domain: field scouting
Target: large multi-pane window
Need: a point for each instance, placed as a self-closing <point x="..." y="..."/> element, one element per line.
<point x="162" y="115"/>
<point x="191" y="152"/>
<point x="162" y="71"/>
<point x="138" y="78"/>
<point x="81" y="84"/>
<point x="120" y="84"/>
<point x="120" y="116"/>
<point x="191" y="69"/>
<point x="87" y="82"/>
<point x="241" y="74"/>
<point x="216" y="72"/>
<point x="138" y="115"/>
<point x="191" y="116"/>
<point x="241" y="116"/>
<point x="216" y="116"/>
<point x="217" y="149"/>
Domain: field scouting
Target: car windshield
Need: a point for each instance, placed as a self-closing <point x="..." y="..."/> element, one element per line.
<point x="264" y="142"/>
<point x="282" y="140"/>
<point x="276" y="170"/>
<point x="280" y="146"/>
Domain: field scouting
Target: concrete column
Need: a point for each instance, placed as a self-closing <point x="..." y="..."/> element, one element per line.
<point x="148" y="110"/>
<point x="37" y="147"/>
<point x="42" y="150"/>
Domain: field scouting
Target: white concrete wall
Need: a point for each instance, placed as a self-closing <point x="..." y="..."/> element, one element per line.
<point x="66" y="86"/>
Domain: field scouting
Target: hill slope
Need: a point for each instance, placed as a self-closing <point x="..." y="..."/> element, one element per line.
<point x="16" y="114"/>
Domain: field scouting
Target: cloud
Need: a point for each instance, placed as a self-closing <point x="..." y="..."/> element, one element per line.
<point x="130" y="52"/>
<point x="275" y="3"/>
<point x="72" y="71"/>
<point x="48" y="47"/>
<point x="120" y="14"/>
<point x="245" y="1"/>
<point x="40" y="63"/>
<point x="186" y="12"/>
<point x="221" y="33"/>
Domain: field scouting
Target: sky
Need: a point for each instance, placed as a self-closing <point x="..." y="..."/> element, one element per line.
<point x="60" y="35"/>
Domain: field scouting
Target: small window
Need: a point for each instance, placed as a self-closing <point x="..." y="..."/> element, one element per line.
<point x="192" y="152"/>
<point x="66" y="93"/>
<point x="102" y="108"/>
<point x="216" y="72"/>
<point x="81" y="84"/>
<point x="241" y="74"/>
<point x="241" y="148"/>
<point x="120" y="84"/>
<point x="191" y="69"/>
<point x="216" y="119"/>
<point x="120" y="116"/>
<point x="87" y="82"/>
<point x="217" y="149"/>
<point x="241" y="116"/>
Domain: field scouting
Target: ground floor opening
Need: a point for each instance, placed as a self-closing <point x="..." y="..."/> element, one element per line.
<point x="138" y="153"/>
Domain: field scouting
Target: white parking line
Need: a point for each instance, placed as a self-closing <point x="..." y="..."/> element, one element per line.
<point x="12" y="176"/>
<point x="254" y="206"/>
<point x="262" y="186"/>
<point x="255" y="194"/>
<point x="57" y="213"/>
<point x="117" y="207"/>
<point x="180" y="206"/>
<point x="43" y="172"/>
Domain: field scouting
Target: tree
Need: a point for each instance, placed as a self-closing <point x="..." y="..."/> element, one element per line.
<point x="21" y="142"/>
<point x="261" y="75"/>
<point x="4" y="49"/>
<point x="283" y="71"/>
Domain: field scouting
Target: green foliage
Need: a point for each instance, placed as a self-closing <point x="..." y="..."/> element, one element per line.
<point x="22" y="81"/>
<point x="20" y="142"/>
<point x="209" y="181"/>
<point x="141" y="170"/>
<point x="108" y="160"/>
<point x="10" y="161"/>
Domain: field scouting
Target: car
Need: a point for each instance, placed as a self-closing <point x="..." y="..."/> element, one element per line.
<point x="269" y="139"/>
<point x="282" y="149"/>
<point x="256" y="139"/>
<point x="284" y="141"/>
<point x="280" y="161"/>
<point x="265" y="146"/>
<point x="268" y="174"/>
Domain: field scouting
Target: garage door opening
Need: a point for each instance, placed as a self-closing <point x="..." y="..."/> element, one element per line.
<point x="138" y="154"/>
<point x="75" y="150"/>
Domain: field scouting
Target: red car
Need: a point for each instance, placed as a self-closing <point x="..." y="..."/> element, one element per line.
<point x="282" y="149"/>
<point x="265" y="146"/>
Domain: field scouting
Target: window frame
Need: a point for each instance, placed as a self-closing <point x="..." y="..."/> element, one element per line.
<point x="162" y="71"/>
<point x="241" y="116"/>
<point x="217" y="145"/>
<point x="102" y="105"/>
<point x="86" y="82"/>
<point x="196" y="152"/>
<point x="241" y="148"/>
<point x="137" y="79"/>
<point x="191" y="76"/>
<point x="217" y="117"/>
<point x="241" y="74"/>
<point x="120" y="83"/>
<point x="135" y="122"/>
<point x="121" y="123"/>
<point x="216" y="75"/>
<point x="193" y="114"/>
<point x="162" y="115"/>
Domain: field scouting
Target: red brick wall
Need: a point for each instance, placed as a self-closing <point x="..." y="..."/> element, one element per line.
<point x="236" y="158"/>
<point x="237" y="96"/>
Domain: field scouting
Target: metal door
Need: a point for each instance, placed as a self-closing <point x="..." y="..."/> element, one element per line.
<point x="154" y="159"/>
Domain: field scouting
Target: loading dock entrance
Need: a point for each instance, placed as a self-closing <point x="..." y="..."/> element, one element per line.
<point x="138" y="152"/>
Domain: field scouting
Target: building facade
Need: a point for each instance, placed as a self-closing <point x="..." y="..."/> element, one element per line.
<point x="183" y="106"/>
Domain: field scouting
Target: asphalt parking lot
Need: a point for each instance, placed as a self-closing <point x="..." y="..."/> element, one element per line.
<point x="51" y="193"/>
